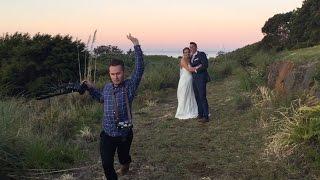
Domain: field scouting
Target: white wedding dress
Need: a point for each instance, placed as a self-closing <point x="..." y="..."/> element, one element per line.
<point x="187" y="105"/>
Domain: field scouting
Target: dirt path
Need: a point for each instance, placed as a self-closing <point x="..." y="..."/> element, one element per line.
<point x="230" y="146"/>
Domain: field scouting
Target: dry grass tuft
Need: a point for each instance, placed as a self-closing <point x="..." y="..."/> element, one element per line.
<point x="298" y="126"/>
<point x="86" y="134"/>
<point x="262" y="101"/>
<point x="280" y="143"/>
<point x="67" y="177"/>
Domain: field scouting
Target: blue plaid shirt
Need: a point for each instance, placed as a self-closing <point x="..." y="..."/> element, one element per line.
<point x="105" y="97"/>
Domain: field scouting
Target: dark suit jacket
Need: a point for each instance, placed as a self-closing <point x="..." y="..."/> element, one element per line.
<point x="200" y="58"/>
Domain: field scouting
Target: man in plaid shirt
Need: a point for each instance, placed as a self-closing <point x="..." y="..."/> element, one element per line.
<point x="117" y="98"/>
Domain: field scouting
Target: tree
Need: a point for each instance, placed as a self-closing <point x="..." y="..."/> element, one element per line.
<point x="295" y="29"/>
<point x="101" y="50"/>
<point x="277" y="31"/>
<point x="305" y="29"/>
<point x="221" y="53"/>
<point x="31" y="64"/>
<point x="130" y="52"/>
<point x="107" y="50"/>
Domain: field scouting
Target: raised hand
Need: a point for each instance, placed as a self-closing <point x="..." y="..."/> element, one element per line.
<point x="88" y="84"/>
<point x="134" y="40"/>
<point x="199" y="66"/>
<point x="194" y="69"/>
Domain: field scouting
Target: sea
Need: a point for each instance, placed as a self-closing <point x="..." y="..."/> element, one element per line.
<point x="172" y="53"/>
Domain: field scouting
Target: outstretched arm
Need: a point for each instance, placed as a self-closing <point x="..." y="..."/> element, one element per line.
<point x="139" y="64"/>
<point x="95" y="93"/>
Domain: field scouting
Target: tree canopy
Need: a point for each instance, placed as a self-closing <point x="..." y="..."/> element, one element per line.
<point x="28" y="65"/>
<point x="296" y="29"/>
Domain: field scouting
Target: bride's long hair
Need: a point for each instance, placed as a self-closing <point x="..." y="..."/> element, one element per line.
<point x="183" y="57"/>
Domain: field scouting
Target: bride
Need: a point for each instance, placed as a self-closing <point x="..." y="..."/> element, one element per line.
<point x="187" y="105"/>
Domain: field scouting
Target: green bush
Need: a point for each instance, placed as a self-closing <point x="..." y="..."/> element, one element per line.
<point x="308" y="127"/>
<point x="221" y="70"/>
<point x="245" y="82"/>
<point x="41" y="134"/>
<point x="160" y="73"/>
<point x="243" y="102"/>
<point x="28" y="64"/>
<point x="316" y="75"/>
<point x="251" y="79"/>
<point x="42" y="154"/>
<point x="299" y="134"/>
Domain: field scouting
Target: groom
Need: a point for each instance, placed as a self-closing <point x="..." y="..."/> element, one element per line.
<point x="200" y="78"/>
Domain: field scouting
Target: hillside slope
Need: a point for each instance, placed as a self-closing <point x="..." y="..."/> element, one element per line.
<point x="230" y="146"/>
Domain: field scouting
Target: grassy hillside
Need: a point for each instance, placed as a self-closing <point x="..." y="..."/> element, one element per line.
<point x="59" y="133"/>
<point x="302" y="55"/>
<point x="246" y="137"/>
<point x="292" y="120"/>
<point x="259" y="57"/>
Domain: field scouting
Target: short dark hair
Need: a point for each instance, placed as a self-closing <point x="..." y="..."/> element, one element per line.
<point x="193" y="43"/>
<point x="186" y="48"/>
<point x="116" y="62"/>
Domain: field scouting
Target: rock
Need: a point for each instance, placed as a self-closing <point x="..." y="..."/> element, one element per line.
<point x="286" y="77"/>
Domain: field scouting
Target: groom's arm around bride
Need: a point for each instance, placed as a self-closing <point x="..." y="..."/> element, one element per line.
<point x="202" y="60"/>
<point x="199" y="58"/>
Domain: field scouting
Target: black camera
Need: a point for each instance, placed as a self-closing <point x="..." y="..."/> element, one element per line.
<point x="63" y="89"/>
<point x="76" y="87"/>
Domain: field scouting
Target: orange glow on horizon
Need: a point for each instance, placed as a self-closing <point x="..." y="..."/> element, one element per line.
<point x="158" y="24"/>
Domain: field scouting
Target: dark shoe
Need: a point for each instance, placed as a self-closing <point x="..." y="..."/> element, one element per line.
<point x="204" y="120"/>
<point x="199" y="117"/>
<point x="124" y="169"/>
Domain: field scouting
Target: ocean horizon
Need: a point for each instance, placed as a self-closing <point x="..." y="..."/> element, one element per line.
<point x="177" y="53"/>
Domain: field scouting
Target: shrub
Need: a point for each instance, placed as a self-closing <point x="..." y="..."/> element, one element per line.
<point x="28" y="63"/>
<point x="39" y="154"/>
<point x="243" y="102"/>
<point x="299" y="133"/>
<point x="221" y="70"/>
<point x="252" y="78"/>
<point x="160" y="75"/>
<point x="40" y="134"/>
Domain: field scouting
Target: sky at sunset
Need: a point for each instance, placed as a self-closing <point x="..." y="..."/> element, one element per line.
<point x="159" y="24"/>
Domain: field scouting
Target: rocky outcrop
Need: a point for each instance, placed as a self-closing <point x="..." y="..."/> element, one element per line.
<point x="286" y="77"/>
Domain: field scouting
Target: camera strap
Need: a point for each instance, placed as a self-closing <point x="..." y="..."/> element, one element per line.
<point x="128" y="105"/>
<point x="115" y="105"/>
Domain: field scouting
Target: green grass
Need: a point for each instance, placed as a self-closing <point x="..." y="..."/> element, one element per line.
<point x="301" y="55"/>
<point x="41" y="155"/>
<point x="42" y="134"/>
<point x="47" y="134"/>
<point x="221" y="66"/>
<point x="232" y="145"/>
<point x="160" y="72"/>
<point x="298" y="135"/>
